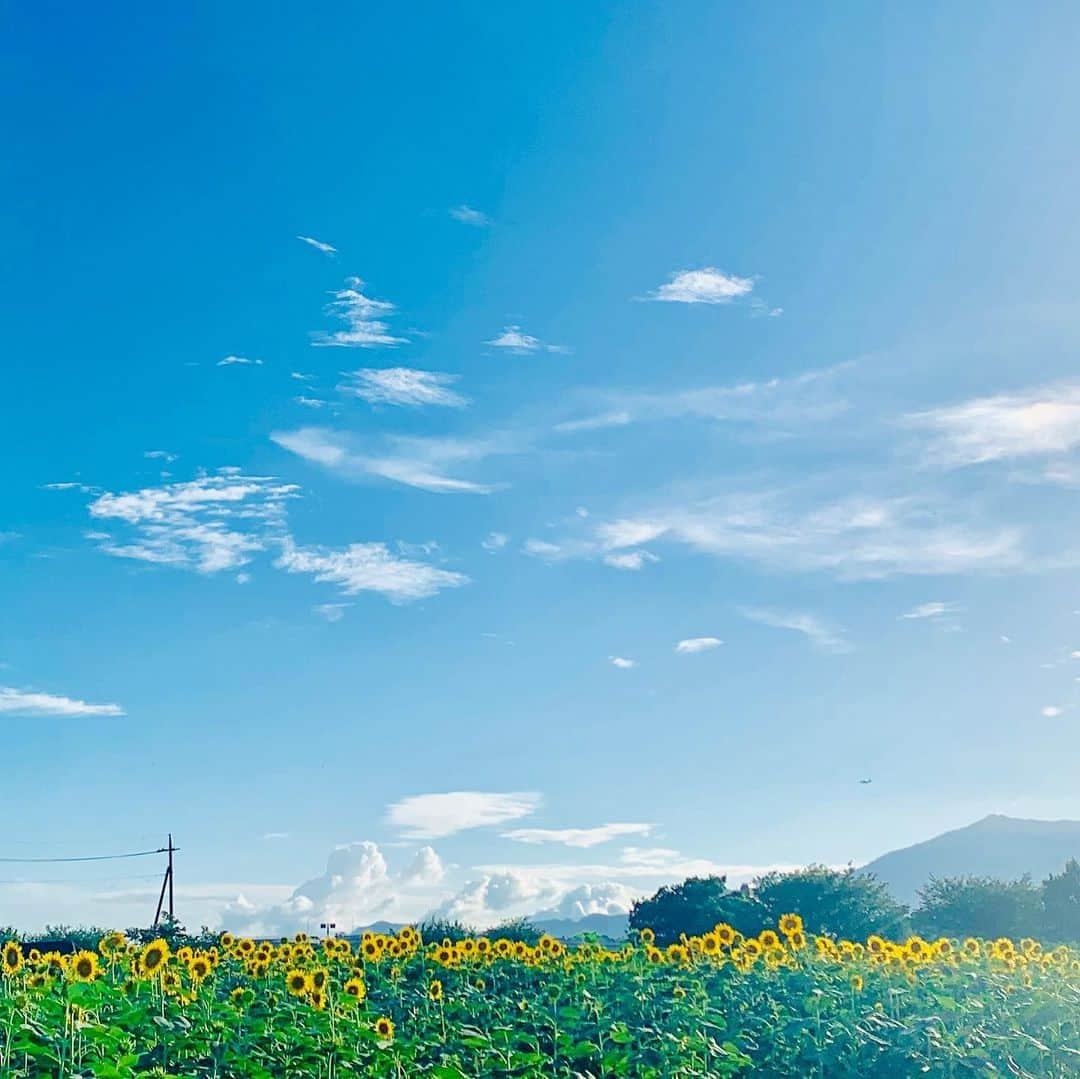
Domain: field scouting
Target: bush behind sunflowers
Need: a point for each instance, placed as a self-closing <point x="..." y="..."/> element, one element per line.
<point x="717" y="1004"/>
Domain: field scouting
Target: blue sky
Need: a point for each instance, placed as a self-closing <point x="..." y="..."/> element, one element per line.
<point x="616" y="327"/>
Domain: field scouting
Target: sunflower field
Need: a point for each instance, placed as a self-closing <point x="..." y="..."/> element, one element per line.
<point x="718" y="1004"/>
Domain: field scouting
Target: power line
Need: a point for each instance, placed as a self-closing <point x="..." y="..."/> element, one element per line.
<point x="90" y="858"/>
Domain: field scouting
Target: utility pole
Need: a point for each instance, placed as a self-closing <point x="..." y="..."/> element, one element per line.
<point x="167" y="883"/>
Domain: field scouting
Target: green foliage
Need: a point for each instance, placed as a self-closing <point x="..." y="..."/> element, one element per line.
<point x="80" y="936"/>
<point x="837" y="903"/>
<point x="694" y="907"/>
<point x="435" y="930"/>
<point x="1061" y="904"/>
<point x="517" y="929"/>
<point x="979" y="907"/>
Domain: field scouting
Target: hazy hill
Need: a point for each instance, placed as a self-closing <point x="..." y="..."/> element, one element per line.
<point x="996" y="846"/>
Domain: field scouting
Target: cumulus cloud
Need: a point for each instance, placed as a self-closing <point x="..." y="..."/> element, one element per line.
<point x="707" y="285"/>
<point x="21" y="702"/>
<point x="692" y="645"/>
<point x="431" y="816"/>
<point x="622" y="662"/>
<point x="578" y="837"/>
<point x="515" y="340"/>
<point x="494" y="541"/>
<point x="212" y="523"/>
<point x="468" y="216"/>
<point x="415" y="462"/>
<point x="364" y="318"/>
<point x="357" y="888"/>
<point x="1042" y="421"/>
<point x="403" y="386"/>
<point x="326" y="249"/>
<point x="819" y="633"/>
<point x="368" y="567"/>
<point x="1051" y="711"/>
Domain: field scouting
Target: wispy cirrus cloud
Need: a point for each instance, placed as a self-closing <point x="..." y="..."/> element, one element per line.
<point x="853" y="538"/>
<point x="933" y="609"/>
<point x="31" y="703"/>
<point x="402" y="386"/>
<point x="1041" y="421"/>
<point x="415" y="462"/>
<point x="212" y="523"/>
<point x="707" y="285"/>
<point x="369" y="567"/>
<point x="818" y="632"/>
<point x="467" y="215"/>
<point x="514" y="339"/>
<point x="239" y="361"/>
<point x="326" y="249"/>
<point x="364" y="318"/>
<point x="582" y="838"/>
<point x="803" y="400"/>
<point x="432" y="816"/>
<point x="692" y="645"/>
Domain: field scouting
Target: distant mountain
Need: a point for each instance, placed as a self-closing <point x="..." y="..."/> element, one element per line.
<point x="996" y="846"/>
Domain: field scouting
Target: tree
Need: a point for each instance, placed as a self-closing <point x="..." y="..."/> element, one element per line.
<point x="978" y="907"/>
<point x="1061" y="904"/>
<point x="517" y="929"/>
<point x="694" y="907"/>
<point x="833" y="902"/>
<point x="436" y="930"/>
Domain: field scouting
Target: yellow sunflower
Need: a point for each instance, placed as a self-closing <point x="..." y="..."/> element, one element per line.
<point x="435" y="990"/>
<point x="154" y="956"/>
<point x="356" y="988"/>
<point x="84" y="966"/>
<point x="296" y="982"/>
<point x="385" y="1028"/>
<point x="11" y="958"/>
<point x="790" y="924"/>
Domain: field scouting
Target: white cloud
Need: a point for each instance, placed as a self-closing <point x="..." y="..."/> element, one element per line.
<point x="853" y="538"/>
<point x="578" y="837"/>
<point x="216" y="522"/>
<point x="495" y="541"/>
<point x="273" y="836"/>
<point x="819" y="633"/>
<point x="785" y="403"/>
<point x="629" y="560"/>
<point x="357" y="889"/>
<point x="403" y="386"/>
<point x="515" y="340"/>
<point x="364" y="319"/>
<point x="1051" y="711"/>
<point x="1038" y="422"/>
<point x="595" y="423"/>
<point x="369" y="567"/>
<point x="301" y="377"/>
<point x="415" y="462"/>
<point x="239" y="361"/>
<point x="160" y="455"/>
<point x="29" y="703"/>
<point x="707" y="285"/>
<point x="332" y="612"/>
<point x="326" y="249"/>
<point x="622" y="662"/>
<point x="430" y="816"/>
<point x="468" y="216"/>
<point x="933" y="609"/>
<point x="310" y="402"/>
<point x="693" y="645"/>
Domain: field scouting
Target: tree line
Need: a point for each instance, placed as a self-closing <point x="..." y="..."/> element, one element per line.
<point x="845" y="903"/>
